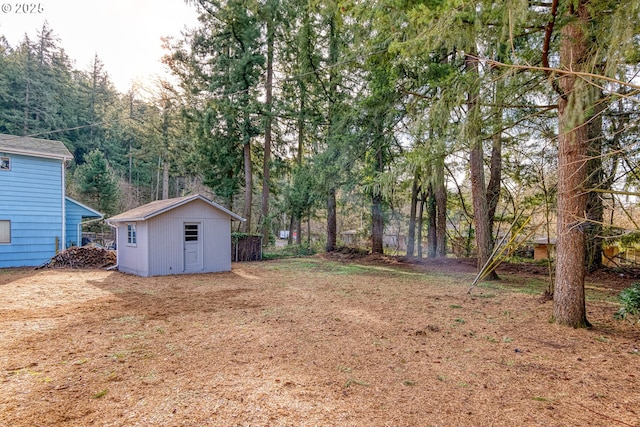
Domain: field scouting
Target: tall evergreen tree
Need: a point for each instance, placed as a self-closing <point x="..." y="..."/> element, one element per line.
<point x="221" y="69"/>
<point x="97" y="184"/>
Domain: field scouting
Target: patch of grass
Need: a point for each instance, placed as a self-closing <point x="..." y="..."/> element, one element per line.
<point x="507" y="339"/>
<point x="491" y="339"/>
<point x="120" y="356"/>
<point x="351" y="381"/>
<point x="289" y="251"/>
<point x="36" y="375"/>
<point x="134" y="335"/>
<point x="100" y="394"/>
<point x="528" y="286"/>
<point x="455" y="306"/>
<point x="113" y="376"/>
<point x="126" y="319"/>
<point x="541" y="399"/>
<point x="409" y="382"/>
<point x="460" y="321"/>
<point x="603" y="339"/>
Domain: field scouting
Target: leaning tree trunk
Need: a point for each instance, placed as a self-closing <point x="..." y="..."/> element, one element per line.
<point x="569" y="299"/>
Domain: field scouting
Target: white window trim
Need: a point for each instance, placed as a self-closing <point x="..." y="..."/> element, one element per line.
<point x="8" y="162"/>
<point x="133" y="227"/>
<point x="9" y="241"/>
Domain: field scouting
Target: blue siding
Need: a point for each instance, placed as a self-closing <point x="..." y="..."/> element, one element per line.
<point x="31" y="198"/>
<point x="73" y="220"/>
<point x="75" y="213"/>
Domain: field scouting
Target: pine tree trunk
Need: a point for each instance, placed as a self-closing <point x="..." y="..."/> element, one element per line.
<point x="595" y="174"/>
<point x="266" y="222"/>
<point x="432" y="243"/>
<point x="25" y="125"/>
<point x="331" y="220"/>
<point x="411" y="233"/>
<point x="493" y="188"/>
<point x="165" y="179"/>
<point x="377" y="225"/>
<point x="476" y="172"/>
<point x="441" y="211"/>
<point x="420" y="224"/>
<point x="248" y="188"/>
<point x="292" y="223"/>
<point x="568" y="298"/>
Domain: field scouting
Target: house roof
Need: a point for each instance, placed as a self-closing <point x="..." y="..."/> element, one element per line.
<point x="144" y="212"/>
<point x="34" y="147"/>
<point x="87" y="211"/>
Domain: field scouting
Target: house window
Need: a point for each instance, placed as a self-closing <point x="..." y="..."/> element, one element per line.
<point x="5" y="231"/>
<point x="5" y="163"/>
<point x="131" y="234"/>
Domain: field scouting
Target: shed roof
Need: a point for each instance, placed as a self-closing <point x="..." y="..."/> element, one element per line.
<point x="34" y="147"/>
<point x="144" y="212"/>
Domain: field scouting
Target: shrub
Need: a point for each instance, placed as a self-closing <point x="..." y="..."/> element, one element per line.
<point x="630" y="299"/>
<point x="290" y="251"/>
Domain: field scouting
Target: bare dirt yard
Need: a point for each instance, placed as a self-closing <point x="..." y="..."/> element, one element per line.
<point x="310" y="342"/>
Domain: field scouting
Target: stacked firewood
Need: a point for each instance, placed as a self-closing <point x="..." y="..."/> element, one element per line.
<point x="83" y="257"/>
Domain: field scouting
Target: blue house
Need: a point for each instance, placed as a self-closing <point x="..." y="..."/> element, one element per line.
<point x="37" y="219"/>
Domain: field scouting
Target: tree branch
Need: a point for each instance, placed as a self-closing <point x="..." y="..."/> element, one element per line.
<point x="552" y="70"/>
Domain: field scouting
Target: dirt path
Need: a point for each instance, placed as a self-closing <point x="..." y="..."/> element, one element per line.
<point x="308" y="342"/>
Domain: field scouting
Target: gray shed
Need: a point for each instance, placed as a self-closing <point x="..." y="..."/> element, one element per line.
<point x="175" y="236"/>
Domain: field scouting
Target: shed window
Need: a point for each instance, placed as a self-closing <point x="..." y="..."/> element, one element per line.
<point x="5" y="231"/>
<point x="191" y="232"/>
<point x="5" y="163"/>
<point x="131" y="234"/>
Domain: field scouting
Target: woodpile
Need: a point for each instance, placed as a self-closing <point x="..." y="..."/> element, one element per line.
<point x="83" y="257"/>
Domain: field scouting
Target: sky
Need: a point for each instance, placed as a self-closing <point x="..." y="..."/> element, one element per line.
<point x="125" y="34"/>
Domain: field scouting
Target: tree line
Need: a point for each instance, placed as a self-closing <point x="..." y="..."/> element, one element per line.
<point x="459" y="118"/>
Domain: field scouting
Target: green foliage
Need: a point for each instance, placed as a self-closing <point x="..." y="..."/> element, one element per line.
<point x="291" y="251"/>
<point x="237" y="236"/>
<point x="222" y="62"/>
<point x="303" y="193"/>
<point x="630" y="299"/>
<point x="630" y="239"/>
<point x="97" y="183"/>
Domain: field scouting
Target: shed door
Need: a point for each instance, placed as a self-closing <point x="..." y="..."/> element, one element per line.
<point x="193" y="246"/>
